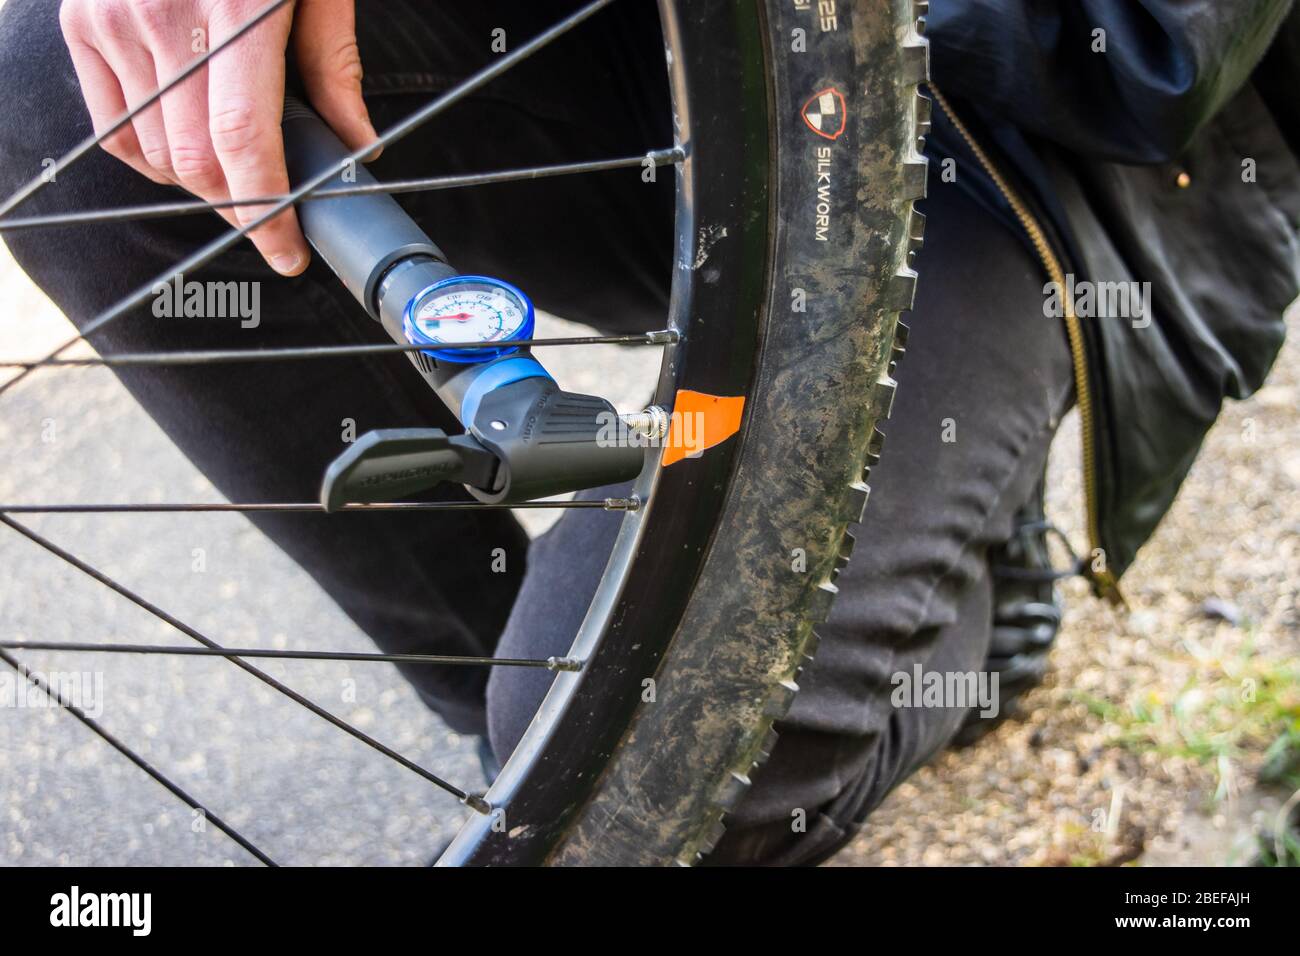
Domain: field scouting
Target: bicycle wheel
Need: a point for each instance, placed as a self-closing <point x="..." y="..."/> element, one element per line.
<point x="795" y="232"/>
<point x="798" y="162"/>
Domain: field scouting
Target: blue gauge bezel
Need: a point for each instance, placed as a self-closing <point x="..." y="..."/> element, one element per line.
<point x="447" y="353"/>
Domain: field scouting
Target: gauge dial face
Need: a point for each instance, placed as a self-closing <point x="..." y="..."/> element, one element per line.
<point x="469" y="312"/>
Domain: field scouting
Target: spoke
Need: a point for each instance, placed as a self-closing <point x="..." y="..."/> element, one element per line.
<point x="474" y="801"/>
<point x="90" y="142"/>
<point x="223" y="356"/>
<point x="631" y="503"/>
<point x="658" y="157"/>
<point x="550" y="663"/>
<point x="135" y="758"/>
<point x="392" y="135"/>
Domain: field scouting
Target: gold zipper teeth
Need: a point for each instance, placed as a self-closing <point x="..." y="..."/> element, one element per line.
<point x="1103" y="579"/>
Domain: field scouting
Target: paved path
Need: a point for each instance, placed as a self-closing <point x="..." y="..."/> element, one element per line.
<point x="300" y="789"/>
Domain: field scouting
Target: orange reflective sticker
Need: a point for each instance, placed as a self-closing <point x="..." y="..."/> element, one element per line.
<point x="699" y="422"/>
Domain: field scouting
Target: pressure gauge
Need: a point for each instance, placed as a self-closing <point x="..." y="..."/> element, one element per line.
<point x="468" y="309"/>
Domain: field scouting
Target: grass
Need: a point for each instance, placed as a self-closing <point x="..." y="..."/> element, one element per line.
<point x="1228" y="711"/>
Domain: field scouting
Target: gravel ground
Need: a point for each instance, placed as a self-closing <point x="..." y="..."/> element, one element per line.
<point x="1144" y="743"/>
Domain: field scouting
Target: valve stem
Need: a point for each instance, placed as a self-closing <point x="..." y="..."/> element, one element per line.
<point x="652" y="423"/>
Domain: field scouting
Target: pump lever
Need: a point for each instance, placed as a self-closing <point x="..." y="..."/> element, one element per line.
<point x="392" y="463"/>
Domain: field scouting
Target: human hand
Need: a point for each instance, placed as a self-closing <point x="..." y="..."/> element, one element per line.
<point x="217" y="133"/>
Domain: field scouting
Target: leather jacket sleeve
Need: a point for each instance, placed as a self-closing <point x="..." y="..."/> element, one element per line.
<point x="1129" y="81"/>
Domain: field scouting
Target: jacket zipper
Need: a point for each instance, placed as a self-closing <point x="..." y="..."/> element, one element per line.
<point x="1102" y="578"/>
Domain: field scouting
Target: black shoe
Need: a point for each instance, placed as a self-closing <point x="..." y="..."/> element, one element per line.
<point x="1027" y="611"/>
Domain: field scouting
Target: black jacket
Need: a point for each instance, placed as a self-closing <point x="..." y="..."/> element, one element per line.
<point x="1162" y="150"/>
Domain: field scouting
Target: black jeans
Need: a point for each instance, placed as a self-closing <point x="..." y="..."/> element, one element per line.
<point x="981" y="354"/>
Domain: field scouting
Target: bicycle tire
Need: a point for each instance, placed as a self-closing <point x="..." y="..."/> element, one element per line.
<point x="652" y="783"/>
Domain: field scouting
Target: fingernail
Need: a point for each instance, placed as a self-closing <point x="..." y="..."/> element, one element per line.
<point x="378" y="150"/>
<point x="286" y="263"/>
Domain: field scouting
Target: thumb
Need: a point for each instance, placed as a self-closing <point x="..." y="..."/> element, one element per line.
<point x="325" y="44"/>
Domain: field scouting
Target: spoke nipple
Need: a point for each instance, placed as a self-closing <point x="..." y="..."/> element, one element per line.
<point x="630" y="503"/>
<point x="664" y="337"/>
<point x="476" y="802"/>
<point x="563" y="664"/>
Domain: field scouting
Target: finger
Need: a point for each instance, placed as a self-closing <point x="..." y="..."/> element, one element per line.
<point x="245" y="103"/>
<point x="105" y="102"/>
<point x="185" y="115"/>
<point x="119" y="41"/>
<point x="325" y="42"/>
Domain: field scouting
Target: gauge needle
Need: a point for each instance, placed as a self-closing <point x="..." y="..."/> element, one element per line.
<point x="459" y="317"/>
